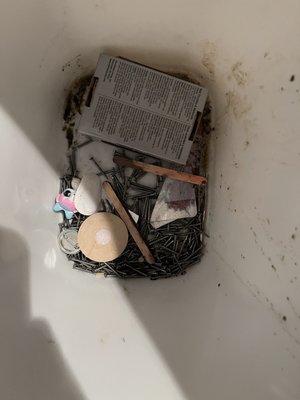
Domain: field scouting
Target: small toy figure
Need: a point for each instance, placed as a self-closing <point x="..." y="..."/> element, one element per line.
<point x="65" y="202"/>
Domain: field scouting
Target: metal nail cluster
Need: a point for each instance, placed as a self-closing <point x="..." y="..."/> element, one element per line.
<point x="175" y="246"/>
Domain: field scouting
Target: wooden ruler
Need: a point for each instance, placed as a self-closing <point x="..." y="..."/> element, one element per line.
<point x="156" y="170"/>
<point x="128" y="222"/>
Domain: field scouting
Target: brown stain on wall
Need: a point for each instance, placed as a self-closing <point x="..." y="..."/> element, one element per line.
<point x="237" y="104"/>
<point x="240" y="76"/>
<point x="208" y="58"/>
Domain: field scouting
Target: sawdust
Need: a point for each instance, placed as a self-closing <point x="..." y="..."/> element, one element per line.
<point x="237" y="104"/>
<point x="240" y="76"/>
<point x="208" y="59"/>
<point x="73" y="105"/>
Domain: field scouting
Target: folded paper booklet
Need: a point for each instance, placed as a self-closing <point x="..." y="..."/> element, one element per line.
<point x="142" y="109"/>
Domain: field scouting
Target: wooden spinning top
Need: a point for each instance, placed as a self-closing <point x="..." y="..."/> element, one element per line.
<point x="102" y="237"/>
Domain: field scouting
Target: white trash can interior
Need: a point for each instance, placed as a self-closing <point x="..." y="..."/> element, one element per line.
<point x="229" y="328"/>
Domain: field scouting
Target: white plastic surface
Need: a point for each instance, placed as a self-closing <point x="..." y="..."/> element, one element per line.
<point x="87" y="194"/>
<point x="230" y="328"/>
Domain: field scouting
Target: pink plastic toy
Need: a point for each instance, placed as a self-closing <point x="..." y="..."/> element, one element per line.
<point x="65" y="202"/>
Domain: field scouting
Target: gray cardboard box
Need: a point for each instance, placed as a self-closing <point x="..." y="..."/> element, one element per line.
<point x="136" y="107"/>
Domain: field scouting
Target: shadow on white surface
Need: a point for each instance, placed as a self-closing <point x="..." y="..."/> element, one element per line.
<point x="32" y="365"/>
<point x="178" y="315"/>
